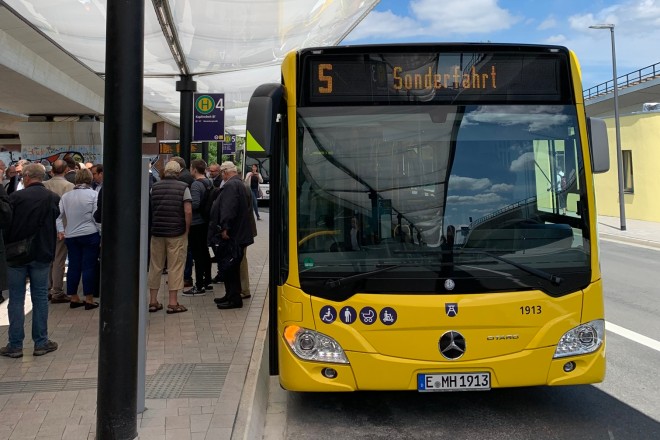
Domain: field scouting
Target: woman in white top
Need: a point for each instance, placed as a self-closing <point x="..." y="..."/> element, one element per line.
<point x="83" y="239"/>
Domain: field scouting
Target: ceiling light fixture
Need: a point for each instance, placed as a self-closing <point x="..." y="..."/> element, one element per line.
<point x="166" y="22"/>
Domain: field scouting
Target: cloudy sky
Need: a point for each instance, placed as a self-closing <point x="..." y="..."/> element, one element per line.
<point x="563" y="22"/>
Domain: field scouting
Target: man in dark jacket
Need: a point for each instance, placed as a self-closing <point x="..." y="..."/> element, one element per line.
<point x="35" y="209"/>
<point x="233" y="226"/>
<point x="5" y="223"/>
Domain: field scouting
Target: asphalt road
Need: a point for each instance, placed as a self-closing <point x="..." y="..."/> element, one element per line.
<point x="625" y="406"/>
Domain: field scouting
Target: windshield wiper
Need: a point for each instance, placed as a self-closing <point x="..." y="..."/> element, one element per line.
<point x="554" y="279"/>
<point x="360" y="276"/>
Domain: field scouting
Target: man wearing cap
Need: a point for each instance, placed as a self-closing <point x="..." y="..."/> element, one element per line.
<point x="233" y="225"/>
<point x="171" y="215"/>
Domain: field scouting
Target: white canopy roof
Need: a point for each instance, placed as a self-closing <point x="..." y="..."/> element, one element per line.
<point x="228" y="46"/>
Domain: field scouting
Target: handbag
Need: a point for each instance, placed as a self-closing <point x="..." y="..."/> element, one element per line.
<point x="20" y="253"/>
<point x="229" y="255"/>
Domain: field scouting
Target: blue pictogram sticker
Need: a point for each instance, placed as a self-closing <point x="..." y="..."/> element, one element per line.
<point x="451" y="309"/>
<point x="328" y="314"/>
<point x="388" y="316"/>
<point x="348" y="315"/>
<point x="368" y="315"/>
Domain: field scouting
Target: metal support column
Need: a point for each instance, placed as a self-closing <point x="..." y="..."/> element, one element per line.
<point x="187" y="87"/>
<point x="205" y="152"/>
<point x="118" y="325"/>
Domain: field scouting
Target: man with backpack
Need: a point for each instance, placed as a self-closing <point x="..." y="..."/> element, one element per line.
<point x="200" y="190"/>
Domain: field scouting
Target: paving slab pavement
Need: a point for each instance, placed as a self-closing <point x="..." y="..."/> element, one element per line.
<point x="207" y="372"/>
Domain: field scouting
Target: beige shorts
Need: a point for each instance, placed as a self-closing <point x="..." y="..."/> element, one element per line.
<point x="170" y="249"/>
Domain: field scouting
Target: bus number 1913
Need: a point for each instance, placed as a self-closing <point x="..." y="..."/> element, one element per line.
<point x="530" y="310"/>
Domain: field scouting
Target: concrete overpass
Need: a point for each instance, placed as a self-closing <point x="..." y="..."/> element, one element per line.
<point x="52" y="61"/>
<point x="635" y="89"/>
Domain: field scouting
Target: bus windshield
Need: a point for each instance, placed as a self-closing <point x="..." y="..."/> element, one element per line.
<point x="425" y="198"/>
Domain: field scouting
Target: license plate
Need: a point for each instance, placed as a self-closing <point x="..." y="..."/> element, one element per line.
<point x="453" y="382"/>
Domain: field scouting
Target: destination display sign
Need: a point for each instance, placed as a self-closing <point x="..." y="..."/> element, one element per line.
<point x="435" y="77"/>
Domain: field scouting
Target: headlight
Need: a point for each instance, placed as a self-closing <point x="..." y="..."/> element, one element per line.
<point x="314" y="346"/>
<point x="583" y="339"/>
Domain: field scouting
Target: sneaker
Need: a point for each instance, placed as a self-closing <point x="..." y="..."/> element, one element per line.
<point x="47" y="348"/>
<point x="194" y="291"/>
<point x="59" y="298"/>
<point x="218" y="279"/>
<point x="11" y="352"/>
<point x="208" y="286"/>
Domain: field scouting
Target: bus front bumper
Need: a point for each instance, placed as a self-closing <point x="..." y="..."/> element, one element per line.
<point x="369" y="371"/>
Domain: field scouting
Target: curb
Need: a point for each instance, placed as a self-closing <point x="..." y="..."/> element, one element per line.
<point x="629" y="240"/>
<point x="251" y="415"/>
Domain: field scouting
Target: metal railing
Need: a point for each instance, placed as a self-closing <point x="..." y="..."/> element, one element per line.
<point x="627" y="80"/>
<point x="501" y="211"/>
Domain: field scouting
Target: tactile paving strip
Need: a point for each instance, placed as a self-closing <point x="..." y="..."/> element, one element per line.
<point x="205" y="380"/>
<point x="170" y="381"/>
<point x="36" y="386"/>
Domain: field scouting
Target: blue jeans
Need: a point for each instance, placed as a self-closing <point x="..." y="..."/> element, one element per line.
<point x="83" y="261"/>
<point x="255" y="203"/>
<point x="38" y="273"/>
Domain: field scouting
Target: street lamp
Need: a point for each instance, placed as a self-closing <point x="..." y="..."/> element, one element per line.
<point x="619" y="155"/>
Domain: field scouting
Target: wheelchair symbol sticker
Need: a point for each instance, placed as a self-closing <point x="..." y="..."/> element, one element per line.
<point x="367" y="315"/>
<point x="328" y="314"/>
<point x="388" y="316"/>
<point x="348" y="315"/>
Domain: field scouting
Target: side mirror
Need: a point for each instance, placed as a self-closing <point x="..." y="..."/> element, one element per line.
<point x="599" y="145"/>
<point x="262" y="113"/>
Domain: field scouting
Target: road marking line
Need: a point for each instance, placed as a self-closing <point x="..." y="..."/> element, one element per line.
<point x="633" y="336"/>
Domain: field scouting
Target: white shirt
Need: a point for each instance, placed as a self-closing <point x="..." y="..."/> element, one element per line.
<point x="78" y="207"/>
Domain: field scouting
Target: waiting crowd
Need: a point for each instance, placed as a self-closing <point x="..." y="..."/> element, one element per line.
<point x="49" y="213"/>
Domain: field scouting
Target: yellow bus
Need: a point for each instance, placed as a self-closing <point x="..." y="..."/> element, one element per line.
<point x="433" y="221"/>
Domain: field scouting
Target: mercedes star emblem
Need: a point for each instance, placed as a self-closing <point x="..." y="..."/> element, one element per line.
<point x="452" y="345"/>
